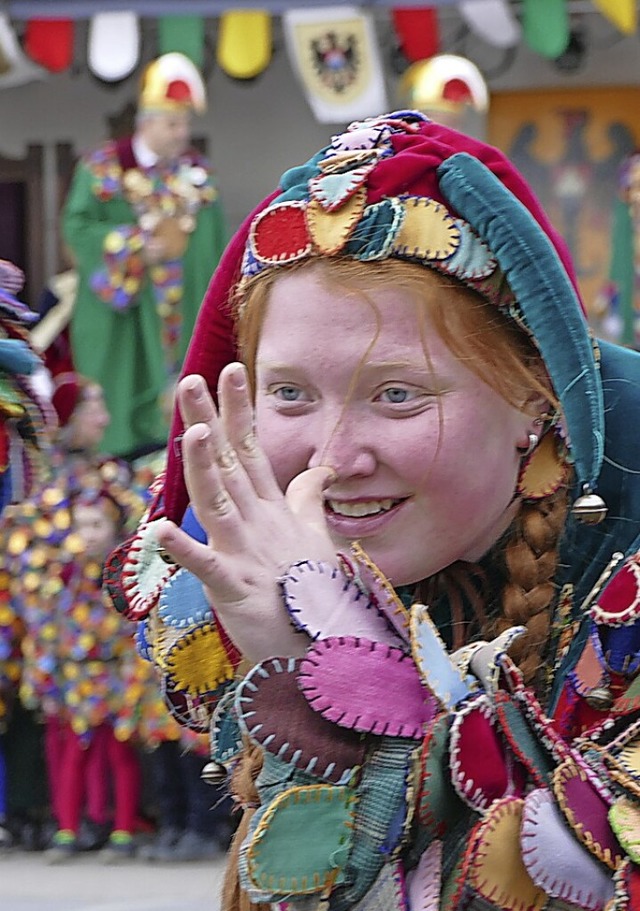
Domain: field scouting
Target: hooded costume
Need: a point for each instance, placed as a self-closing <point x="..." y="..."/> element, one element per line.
<point x="441" y="780"/>
<point x="131" y="323"/>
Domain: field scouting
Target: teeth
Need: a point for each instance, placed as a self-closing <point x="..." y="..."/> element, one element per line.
<point x="368" y="508"/>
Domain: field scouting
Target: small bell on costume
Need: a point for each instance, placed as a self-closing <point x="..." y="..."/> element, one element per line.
<point x="589" y="507"/>
<point x="213" y="773"/>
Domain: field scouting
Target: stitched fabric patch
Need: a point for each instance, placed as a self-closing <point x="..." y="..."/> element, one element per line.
<point x="144" y="573"/>
<point x="198" y="662"/>
<point x="389" y="698"/>
<point x="438" y="805"/>
<point x="483" y="769"/>
<point x="623" y="760"/>
<point x="486" y="662"/>
<point x="585" y="807"/>
<point x="497" y="872"/>
<point x="283" y="859"/>
<point x="183" y="601"/>
<point x="330" y="230"/>
<point x="225" y="734"/>
<point x="388" y="893"/>
<point x="427" y="231"/>
<point x="522" y="740"/>
<point x="618" y="604"/>
<point x="332" y="190"/>
<point x="423" y="883"/>
<point x="297" y="735"/>
<point x="556" y="861"/>
<point x="432" y="659"/>
<point x="323" y="602"/>
<point x="381" y="590"/>
<point x="624" y="817"/>
<point x="627" y="888"/>
<point x="374" y="234"/>
<point x="271" y="227"/>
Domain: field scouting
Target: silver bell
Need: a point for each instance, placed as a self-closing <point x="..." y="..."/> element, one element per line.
<point x="589" y="508"/>
<point x="213" y="773"/>
<point x="600" y="698"/>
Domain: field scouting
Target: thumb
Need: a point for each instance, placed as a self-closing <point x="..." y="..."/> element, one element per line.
<point x="304" y="495"/>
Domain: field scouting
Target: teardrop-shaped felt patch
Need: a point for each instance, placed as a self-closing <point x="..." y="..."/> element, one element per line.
<point x="556" y="861"/>
<point x="330" y="230"/>
<point x="144" y="573"/>
<point x="225" y="733"/>
<point x="324" y="603"/>
<point x="198" y="661"/>
<point x="276" y="715"/>
<point x="624" y="817"/>
<point x="423" y="883"/>
<point x="381" y="590"/>
<point x="183" y="601"/>
<point x="619" y="601"/>
<point x="388" y="698"/>
<point x="434" y="662"/>
<point x="332" y="190"/>
<point x="438" y="805"/>
<point x="483" y="769"/>
<point x="530" y="750"/>
<point x="586" y="809"/>
<point x="302" y="841"/>
<point x="497" y="871"/>
<point x="544" y="471"/>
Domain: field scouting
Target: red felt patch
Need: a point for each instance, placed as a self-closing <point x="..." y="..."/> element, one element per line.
<point x="280" y="234"/>
<point x="619" y="601"/>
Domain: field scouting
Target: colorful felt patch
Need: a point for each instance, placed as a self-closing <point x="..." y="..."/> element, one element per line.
<point x="624" y="817"/>
<point x="225" y="734"/>
<point x="183" y="601"/>
<point x="329" y="230"/>
<point x="144" y="572"/>
<point x="388" y="893"/>
<point x="433" y="661"/>
<point x="483" y="769"/>
<point x="585" y="804"/>
<point x="332" y="190"/>
<point x="374" y="234"/>
<point x="486" y="664"/>
<point x="368" y="576"/>
<point x="389" y="698"/>
<point x="438" y="805"/>
<point x="362" y="136"/>
<point x="557" y="863"/>
<point x="630" y="699"/>
<point x="623" y="761"/>
<point x="497" y="872"/>
<point x="276" y="715"/>
<point x="198" y="661"/>
<point x="618" y="604"/>
<point x="423" y="883"/>
<point x="280" y="222"/>
<point x="589" y="672"/>
<point x="192" y="712"/>
<point x="533" y="754"/>
<point x="471" y="259"/>
<point x="544" y="470"/>
<point x="283" y="859"/>
<point x="343" y="160"/>
<point x="323" y="602"/>
<point x="627" y="888"/>
<point x="427" y="231"/>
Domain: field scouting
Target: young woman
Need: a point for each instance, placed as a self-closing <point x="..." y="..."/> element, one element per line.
<point x="404" y="592"/>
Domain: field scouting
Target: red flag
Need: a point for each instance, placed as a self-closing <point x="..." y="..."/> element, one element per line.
<point x="417" y="30"/>
<point x="50" y="43"/>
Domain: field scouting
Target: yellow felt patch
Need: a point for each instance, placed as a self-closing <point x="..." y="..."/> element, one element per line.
<point x="544" y="471"/>
<point x="624" y="817"/>
<point x="330" y="230"/>
<point x="198" y="662"/>
<point x="497" y="871"/>
<point x="428" y="231"/>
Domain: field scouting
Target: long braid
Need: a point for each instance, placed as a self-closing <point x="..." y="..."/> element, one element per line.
<point x="530" y="560"/>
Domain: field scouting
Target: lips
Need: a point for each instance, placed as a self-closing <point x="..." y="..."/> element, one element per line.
<point x="359" y="509"/>
<point x="353" y="519"/>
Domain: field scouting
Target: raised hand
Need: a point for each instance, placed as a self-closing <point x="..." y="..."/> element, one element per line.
<point x="254" y="531"/>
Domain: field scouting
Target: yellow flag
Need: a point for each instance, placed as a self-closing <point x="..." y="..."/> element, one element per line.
<point x="623" y="13"/>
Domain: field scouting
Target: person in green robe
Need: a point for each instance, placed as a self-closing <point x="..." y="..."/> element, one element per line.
<point x="144" y="225"/>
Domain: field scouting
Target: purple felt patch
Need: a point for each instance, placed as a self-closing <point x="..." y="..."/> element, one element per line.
<point x="483" y="768"/>
<point x="366" y="686"/>
<point x="276" y="715"/>
<point x="380" y="590"/>
<point x="556" y="861"/>
<point x="585" y="806"/>
<point x="423" y="883"/>
<point x="323" y="602"/>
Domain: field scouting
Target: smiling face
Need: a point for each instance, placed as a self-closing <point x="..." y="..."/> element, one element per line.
<point x="425" y="451"/>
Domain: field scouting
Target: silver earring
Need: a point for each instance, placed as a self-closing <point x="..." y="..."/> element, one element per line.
<point x="534" y="439"/>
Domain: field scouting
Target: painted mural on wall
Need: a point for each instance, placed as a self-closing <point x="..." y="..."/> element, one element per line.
<point x="574" y="148"/>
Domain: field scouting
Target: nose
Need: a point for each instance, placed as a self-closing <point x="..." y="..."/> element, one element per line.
<point x="342" y="446"/>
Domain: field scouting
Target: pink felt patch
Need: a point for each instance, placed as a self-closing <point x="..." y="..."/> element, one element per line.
<point x="366" y="686"/>
<point x="423" y="883"/>
<point x="556" y="862"/>
<point x="324" y="603"/>
<point x="586" y="808"/>
<point x="276" y="715"/>
<point x="483" y="768"/>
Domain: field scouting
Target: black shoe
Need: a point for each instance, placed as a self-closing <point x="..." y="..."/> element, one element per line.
<point x="162" y="844"/>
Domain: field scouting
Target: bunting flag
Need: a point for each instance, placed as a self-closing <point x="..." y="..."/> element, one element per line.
<point x="545" y="24"/>
<point x="417" y="30"/>
<point x="50" y="43"/>
<point x="244" y="43"/>
<point x="15" y="67"/>
<point x="183" y="35"/>
<point x="623" y="14"/>
<point x="334" y="53"/>
<point x="114" y="45"/>
<point x="491" y="20"/>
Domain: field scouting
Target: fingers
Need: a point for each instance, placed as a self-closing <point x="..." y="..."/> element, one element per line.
<point x="238" y="419"/>
<point x="208" y="565"/>
<point x="305" y="496"/>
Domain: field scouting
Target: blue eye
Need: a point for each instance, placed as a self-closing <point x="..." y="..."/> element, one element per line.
<point x="288" y="393"/>
<point x="395" y="395"/>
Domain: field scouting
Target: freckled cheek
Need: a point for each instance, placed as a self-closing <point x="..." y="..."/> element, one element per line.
<point x="285" y="448"/>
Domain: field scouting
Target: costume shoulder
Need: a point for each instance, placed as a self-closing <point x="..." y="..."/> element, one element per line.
<point x="106" y="164"/>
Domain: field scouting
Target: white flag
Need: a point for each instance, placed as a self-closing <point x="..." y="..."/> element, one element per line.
<point x="491" y="20"/>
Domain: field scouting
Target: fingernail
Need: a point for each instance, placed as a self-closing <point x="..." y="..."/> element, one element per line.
<point x="238" y="378"/>
<point x="330" y="479"/>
